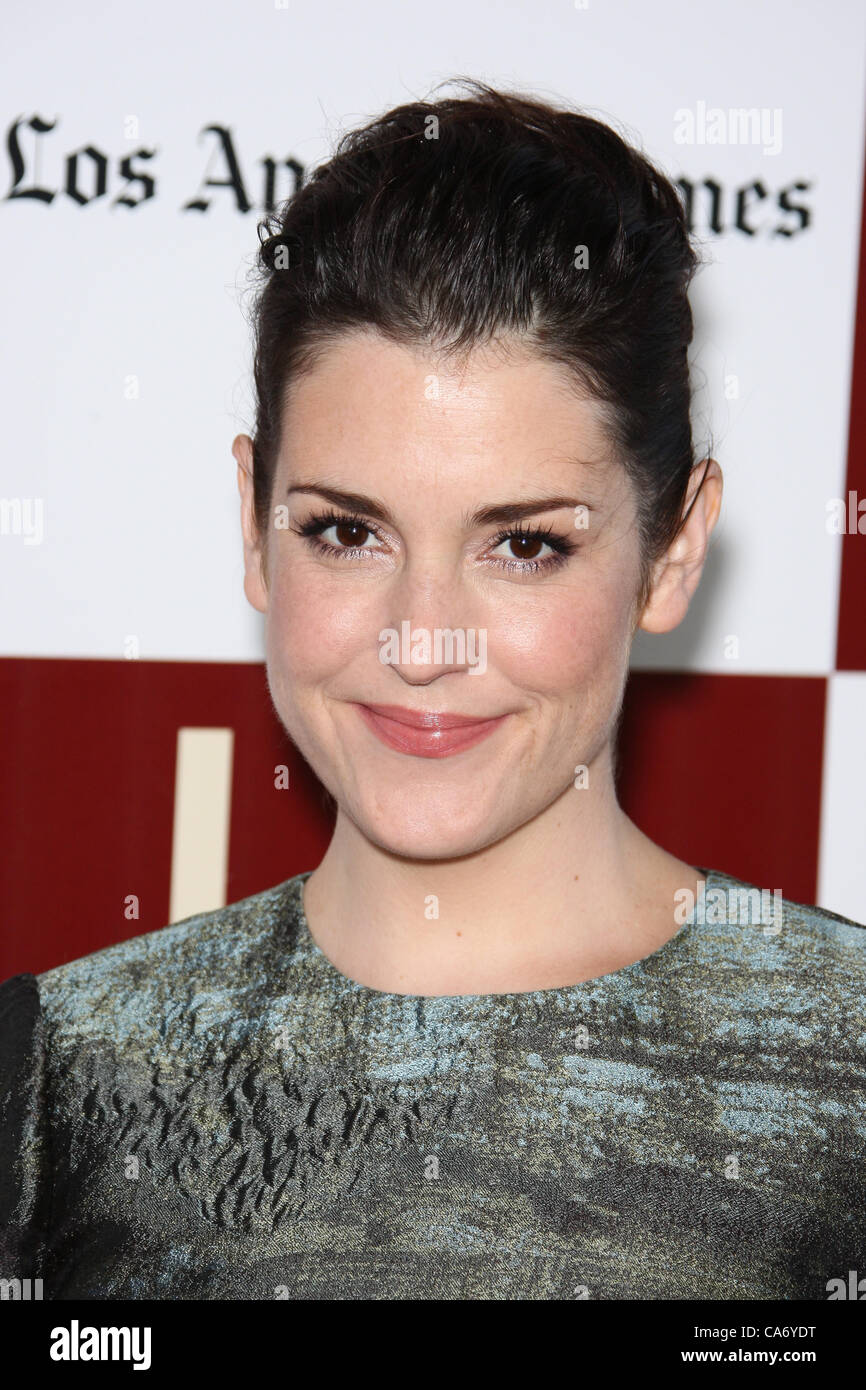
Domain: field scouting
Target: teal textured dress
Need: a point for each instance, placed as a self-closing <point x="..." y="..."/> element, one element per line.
<point x="213" y="1111"/>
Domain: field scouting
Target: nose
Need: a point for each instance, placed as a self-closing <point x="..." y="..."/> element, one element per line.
<point x="429" y="632"/>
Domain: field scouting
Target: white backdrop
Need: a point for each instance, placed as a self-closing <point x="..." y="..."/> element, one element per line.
<point x="139" y="501"/>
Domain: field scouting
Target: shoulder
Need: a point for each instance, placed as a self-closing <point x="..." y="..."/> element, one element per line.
<point x="808" y="950"/>
<point x="206" y="962"/>
<point x="747" y="903"/>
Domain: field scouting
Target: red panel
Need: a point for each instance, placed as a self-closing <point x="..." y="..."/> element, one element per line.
<point x="725" y="772"/>
<point x="851" y="642"/>
<point x="88" y="791"/>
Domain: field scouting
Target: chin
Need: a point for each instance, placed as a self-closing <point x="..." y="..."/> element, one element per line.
<point x="431" y="826"/>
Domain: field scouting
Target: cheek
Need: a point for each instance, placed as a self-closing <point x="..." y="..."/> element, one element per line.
<point x="315" y="622"/>
<point x="572" y="639"/>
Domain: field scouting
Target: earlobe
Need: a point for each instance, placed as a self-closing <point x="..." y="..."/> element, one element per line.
<point x="668" y="601"/>
<point x="255" y="588"/>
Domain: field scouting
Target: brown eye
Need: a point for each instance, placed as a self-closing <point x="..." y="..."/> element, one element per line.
<point x="525" y="547"/>
<point x="530" y="552"/>
<point x="350" y="534"/>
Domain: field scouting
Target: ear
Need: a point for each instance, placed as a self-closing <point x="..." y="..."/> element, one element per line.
<point x="677" y="573"/>
<point x="255" y="585"/>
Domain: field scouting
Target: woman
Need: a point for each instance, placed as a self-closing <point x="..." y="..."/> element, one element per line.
<point x="498" y="1044"/>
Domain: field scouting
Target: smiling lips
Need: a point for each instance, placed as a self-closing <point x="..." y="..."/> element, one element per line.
<point x="426" y="735"/>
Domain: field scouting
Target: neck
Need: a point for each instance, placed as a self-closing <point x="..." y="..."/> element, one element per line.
<point x="572" y="894"/>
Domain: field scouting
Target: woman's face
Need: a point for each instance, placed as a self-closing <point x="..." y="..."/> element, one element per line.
<point x="547" y="622"/>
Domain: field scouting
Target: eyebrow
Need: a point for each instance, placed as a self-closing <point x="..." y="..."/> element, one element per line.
<point x="499" y="512"/>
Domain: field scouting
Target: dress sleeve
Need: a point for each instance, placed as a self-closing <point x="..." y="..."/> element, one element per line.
<point x="25" y="1168"/>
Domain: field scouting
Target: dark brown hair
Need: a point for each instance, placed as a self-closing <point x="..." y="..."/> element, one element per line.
<point x="448" y="223"/>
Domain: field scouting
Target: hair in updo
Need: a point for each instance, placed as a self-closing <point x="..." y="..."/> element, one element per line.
<point x="448" y="223"/>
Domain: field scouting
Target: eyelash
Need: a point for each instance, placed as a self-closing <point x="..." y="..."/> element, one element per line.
<point x="311" y="531"/>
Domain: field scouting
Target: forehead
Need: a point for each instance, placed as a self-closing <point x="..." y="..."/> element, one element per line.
<point x="372" y="404"/>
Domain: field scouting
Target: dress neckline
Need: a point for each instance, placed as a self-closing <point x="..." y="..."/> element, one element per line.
<point x="315" y="954"/>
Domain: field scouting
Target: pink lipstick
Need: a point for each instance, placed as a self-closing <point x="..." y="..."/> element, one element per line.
<point x="426" y="735"/>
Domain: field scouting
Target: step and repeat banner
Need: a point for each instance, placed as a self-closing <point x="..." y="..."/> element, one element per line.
<point x="141" y="147"/>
